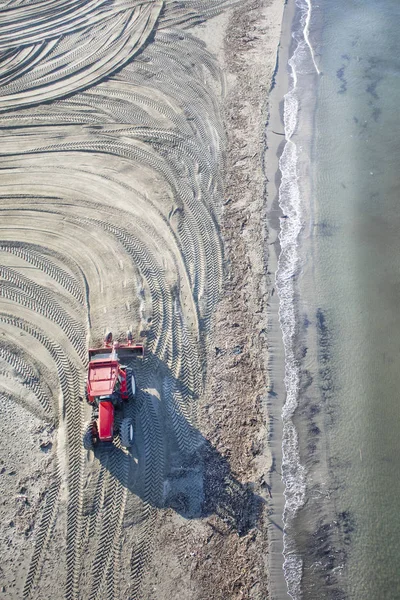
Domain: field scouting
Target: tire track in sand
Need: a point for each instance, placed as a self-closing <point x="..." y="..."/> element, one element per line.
<point x="113" y="200"/>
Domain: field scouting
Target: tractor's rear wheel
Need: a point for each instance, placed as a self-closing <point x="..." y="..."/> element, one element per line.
<point x="126" y="432"/>
<point x="88" y="442"/>
<point x="130" y="384"/>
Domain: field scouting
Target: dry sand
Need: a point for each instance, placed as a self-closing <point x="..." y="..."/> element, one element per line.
<point x="133" y="197"/>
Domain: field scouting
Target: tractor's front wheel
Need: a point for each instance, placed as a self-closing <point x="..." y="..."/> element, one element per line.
<point x="88" y="442"/>
<point x="126" y="432"/>
<point x="130" y="384"/>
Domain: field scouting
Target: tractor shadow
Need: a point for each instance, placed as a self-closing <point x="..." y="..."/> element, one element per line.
<point x="171" y="464"/>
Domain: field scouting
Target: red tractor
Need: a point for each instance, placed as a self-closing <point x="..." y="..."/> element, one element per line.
<point x="109" y="385"/>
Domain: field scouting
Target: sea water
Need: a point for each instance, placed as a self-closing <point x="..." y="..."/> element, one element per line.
<point x="338" y="281"/>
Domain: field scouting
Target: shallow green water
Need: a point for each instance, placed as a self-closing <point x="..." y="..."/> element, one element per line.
<point x="347" y="531"/>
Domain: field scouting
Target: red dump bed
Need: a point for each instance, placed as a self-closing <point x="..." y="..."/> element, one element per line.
<point x="102" y="377"/>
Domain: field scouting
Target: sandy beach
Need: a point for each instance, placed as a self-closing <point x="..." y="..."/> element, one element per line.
<point x="134" y="197"/>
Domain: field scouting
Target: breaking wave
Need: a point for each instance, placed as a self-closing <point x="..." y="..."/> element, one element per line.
<point x="293" y="472"/>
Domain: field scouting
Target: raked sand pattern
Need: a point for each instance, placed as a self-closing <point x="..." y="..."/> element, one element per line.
<point x="109" y="192"/>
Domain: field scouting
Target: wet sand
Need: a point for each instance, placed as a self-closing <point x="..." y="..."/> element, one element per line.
<point x="276" y="364"/>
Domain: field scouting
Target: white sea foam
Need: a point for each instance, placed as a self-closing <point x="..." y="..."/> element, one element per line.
<point x="306" y="35"/>
<point x="293" y="473"/>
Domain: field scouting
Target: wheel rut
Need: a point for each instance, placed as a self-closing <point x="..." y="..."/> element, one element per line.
<point x="112" y="154"/>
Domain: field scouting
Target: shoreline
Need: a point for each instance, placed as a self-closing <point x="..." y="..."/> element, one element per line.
<point x="275" y="142"/>
<point x="291" y="197"/>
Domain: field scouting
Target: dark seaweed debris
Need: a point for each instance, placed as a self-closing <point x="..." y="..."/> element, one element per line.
<point x="327" y="385"/>
<point x="327" y="552"/>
